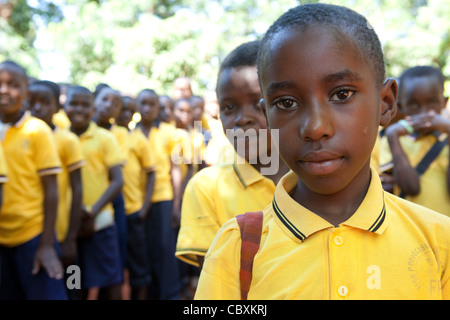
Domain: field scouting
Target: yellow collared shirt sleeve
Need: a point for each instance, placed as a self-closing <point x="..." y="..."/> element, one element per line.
<point x="219" y="279"/>
<point x="198" y="225"/>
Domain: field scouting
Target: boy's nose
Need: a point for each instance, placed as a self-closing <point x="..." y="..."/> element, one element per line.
<point x="316" y="124"/>
<point x="245" y="117"/>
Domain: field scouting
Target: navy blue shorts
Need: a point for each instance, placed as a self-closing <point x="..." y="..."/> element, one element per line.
<point x="16" y="280"/>
<point x="100" y="259"/>
<point x="137" y="253"/>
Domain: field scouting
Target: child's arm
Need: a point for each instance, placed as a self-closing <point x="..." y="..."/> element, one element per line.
<point x="432" y="121"/>
<point x="115" y="185"/>
<point x="175" y="173"/>
<point x="46" y="256"/>
<point x="404" y="174"/>
<point x="69" y="246"/>
<point x="149" y="187"/>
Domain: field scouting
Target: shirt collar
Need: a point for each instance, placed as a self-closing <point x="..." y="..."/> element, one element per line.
<point x="22" y="119"/>
<point x="299" y="222"/>
<point x="245" y="172"/>
<point x="90" y="130"/>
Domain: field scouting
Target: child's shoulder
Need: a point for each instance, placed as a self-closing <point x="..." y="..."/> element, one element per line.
<point x="425" y="219"/>
<point x="214" y="172"/>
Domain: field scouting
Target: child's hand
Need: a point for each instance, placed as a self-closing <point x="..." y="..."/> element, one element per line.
<point x="87" y="226"/>
<point x="47" y="258"/>
<point x="425" y="123"/>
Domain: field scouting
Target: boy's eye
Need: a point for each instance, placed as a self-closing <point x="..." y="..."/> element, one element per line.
<point x="286" y="104"/>
<point x="227" y="107"/>
<point x="342" y="95"/>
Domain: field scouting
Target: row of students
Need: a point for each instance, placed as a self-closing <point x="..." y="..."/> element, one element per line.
<point x="85" y="164"/>
<point x="324" y="205"/>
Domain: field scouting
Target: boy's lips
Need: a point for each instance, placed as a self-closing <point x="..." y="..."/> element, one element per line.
<point x="321" y="163"/>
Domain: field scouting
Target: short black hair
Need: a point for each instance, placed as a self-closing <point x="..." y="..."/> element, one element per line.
<point x="421" y="71"/>
<point x="54" y="88"/>
<point x="79" y="89"/>
<point x="343" y="21"/>
<point x="150" y="91"/>
<point x="14" y="65"/>
<point x="244" y="55"/>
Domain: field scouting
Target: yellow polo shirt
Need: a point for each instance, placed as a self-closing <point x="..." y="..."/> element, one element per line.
<point x="30" y="153"/>
<point x="162" y="141"/>
<point x="212" y="197"/>
<point x="61" y="120"/>
<point x="121" y="134"/>
<point x="71" y="156"/>
<point x="189" y="149"/>
<point x="434" y="192"/>
<point x="139" y="163"/>
<point x="101" y="152"/>
<point x="389" y="249"/>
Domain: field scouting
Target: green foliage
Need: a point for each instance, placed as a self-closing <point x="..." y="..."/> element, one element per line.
<point x="136" y="44"/>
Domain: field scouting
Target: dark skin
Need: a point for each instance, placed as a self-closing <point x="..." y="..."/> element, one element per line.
<point x="422" y="102"/>
<point x="79" y="109"/>
<point x="13" y="92"/>
<point x="239" y="96"/>
<point x="332" y="117"/>
<point x="43" y="105"/>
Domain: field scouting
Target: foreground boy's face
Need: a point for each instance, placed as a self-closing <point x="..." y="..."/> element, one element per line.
<point x="322" y="97"/>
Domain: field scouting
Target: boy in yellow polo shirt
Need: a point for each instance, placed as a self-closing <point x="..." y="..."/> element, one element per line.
<point x="217" y="193"/>
<point x="98" y="246"/>
<point x="421" y="99"/>
<point x="139" y="181"/>
<point x="30" y="266"/>
<point x="107" y="104"/>
<point x="162" y="219"/>
<point x="331" y="232"/>
<point x="43" y="102"/>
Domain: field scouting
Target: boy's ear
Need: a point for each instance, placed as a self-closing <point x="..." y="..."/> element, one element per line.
<point x="389" y="96"/>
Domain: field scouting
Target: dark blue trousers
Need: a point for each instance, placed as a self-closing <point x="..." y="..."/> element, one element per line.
<point x="160" y="234"/>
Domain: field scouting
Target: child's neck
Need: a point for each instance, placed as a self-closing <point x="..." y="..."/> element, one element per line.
<point x="12" y="118"/>
<point x="334" y="208"/>
<point x="146" y="126"/>
<point x="79" y="130"/>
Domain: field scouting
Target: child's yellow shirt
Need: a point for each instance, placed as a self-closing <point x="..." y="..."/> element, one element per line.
<point x="71" y="156"/>
<point x="139" y="163"/>
<point x="30" y="153"/>
<point x="101" y="152"/>
<point x="162" y="142"/>
<point x="389" y="248"/>
<point x="434" y="192"/>
<point x="212" y="197"/>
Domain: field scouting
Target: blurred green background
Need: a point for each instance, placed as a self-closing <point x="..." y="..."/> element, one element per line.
<point x="138" y="44"/>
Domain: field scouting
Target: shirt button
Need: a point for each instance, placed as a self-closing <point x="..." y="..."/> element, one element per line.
<point x="342" y="291"/>
<point x="338" y="240"/>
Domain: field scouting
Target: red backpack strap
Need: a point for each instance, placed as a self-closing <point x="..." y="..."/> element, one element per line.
<point x="250" y="225"/>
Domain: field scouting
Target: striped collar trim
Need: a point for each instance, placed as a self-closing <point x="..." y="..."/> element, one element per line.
<point x="245" y="172"/>
<point x="299" y="223"/>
